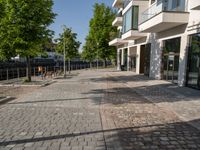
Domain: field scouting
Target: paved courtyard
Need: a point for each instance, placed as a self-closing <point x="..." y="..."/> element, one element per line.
<point x="100" y="110"/>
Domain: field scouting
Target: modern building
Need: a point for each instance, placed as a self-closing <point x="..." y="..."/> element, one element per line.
<point x="160" y="39"/>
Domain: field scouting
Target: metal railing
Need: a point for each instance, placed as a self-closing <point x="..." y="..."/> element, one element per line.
<point x="163" y="5"/>
<point x="126" y="2"/>
<point x="19" y="72"/>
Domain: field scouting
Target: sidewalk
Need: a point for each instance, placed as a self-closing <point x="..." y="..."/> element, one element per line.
<point x="183" y="101"/>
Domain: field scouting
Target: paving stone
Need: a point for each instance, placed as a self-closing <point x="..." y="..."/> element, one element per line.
<point x="97" y="107"/>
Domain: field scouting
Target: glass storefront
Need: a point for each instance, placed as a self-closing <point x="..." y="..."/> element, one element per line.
<point x="193" y="70"/>
<point x="171" y="52"/>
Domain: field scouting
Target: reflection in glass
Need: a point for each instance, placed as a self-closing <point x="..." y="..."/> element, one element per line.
<point x="171" y="52"/>
<point x="130" y="19"/>
<point x="193" y="77"/>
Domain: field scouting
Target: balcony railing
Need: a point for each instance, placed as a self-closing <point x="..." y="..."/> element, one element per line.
<point x="119" y="14"/>
<point x="163" y="6"/>
<point x="126" y="2"/>
<point x="118" y="35"/>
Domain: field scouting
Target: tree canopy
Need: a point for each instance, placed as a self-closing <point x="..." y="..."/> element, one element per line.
<point x="88" y="52"/>
<point x="24" y="27"/>
<point x="100" y="33"/>
<point x="69" y="39"/>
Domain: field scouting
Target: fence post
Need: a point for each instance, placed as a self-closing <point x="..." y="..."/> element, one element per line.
<point x="7" y="74"/>
<point x="34" y="71"/>
<point x="1" y="74"/>
<point x="18" y="73"/>
<point x="26" y="71"/>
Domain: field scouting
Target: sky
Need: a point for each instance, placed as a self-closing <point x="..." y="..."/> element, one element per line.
<point x="75" y="14"/>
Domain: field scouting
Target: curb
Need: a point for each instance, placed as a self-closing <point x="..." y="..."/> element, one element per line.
<point x="48" y="83"/>
<point x="24" y="85"/>
<point x="6" y="99"/>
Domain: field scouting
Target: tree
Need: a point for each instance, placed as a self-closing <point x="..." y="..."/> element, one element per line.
<point x="24" y="28"/>
<point x="6" y="34"/>
<point x="88" y="52"/>
<point x="69" y="40"/>
<point x="101" y="32"/>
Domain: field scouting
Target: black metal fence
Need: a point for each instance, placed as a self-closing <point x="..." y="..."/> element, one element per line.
<point x="18" y="71"/>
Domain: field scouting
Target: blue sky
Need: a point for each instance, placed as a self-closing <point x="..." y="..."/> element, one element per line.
<point x="75" y="14"/>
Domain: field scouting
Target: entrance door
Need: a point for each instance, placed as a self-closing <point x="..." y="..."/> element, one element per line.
<point x="171" y="52"/>
<point x="125" y="60"/>
<point x="120" y="60"/>
<point x="142" y="59"/>
<point x="193" y="75"/>
<point x="147" y="58"/>
<point x="133" y="63"/>
<point x="171" y="65"/>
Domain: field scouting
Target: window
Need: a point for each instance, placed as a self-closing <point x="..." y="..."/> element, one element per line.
<point x="193" y="71"/>
<point x="130" y="19"/>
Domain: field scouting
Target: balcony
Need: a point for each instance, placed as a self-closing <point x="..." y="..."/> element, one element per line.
<point x="126" y="2"/>
<point x="163" y="15"/>
<point x="133" y="35"/>
<point x="117" y="22"/>
<point x="130" y="24"/>
<point x="117" y="41"/>
<point x="118" y="4"/>
<point x="195" y="4"/>
<point x="121" y="3"/>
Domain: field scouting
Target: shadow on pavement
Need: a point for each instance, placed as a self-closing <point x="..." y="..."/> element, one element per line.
<point x="177" y="135"/>
<point x="47" y="101"/>
<point x="165" y="92"/>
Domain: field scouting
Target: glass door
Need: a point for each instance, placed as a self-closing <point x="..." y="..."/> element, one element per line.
<point x="147" y="59"/>
<point x="133" y="63"/>
<point x="171" y="52"/>
<point x="125" y="60"/>
<point x="193" y="75"/>
<point x="171" y="65"/>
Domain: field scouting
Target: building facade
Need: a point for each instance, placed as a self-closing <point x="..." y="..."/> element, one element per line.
<point x="160" y="39"/>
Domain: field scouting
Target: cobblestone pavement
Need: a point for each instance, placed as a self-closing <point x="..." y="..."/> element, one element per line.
<point x="141" y="124"/>
<point x="183" y="101"/>
<point x="15" y="91"/>
<point x="94" y="110"/>
<point x="58" y="117"/>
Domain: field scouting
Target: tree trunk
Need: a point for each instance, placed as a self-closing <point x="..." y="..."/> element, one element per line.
<point x="105" y="65"/>
<point x="69" y="65"/>
<point x="28" y="62"/>
<point x="90" y="65"/>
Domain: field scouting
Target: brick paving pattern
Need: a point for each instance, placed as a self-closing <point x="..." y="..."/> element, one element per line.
<point x="94" y="110"/>
<point x="183" y="101"/>
<point x="58" y="117"/>
<point x="141" y="124"/>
